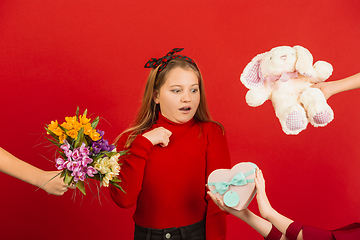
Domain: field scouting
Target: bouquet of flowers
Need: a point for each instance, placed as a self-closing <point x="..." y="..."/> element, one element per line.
<point x="84" y="153"/>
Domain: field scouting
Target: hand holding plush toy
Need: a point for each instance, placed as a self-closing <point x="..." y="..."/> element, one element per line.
<point x="285" y="75"/>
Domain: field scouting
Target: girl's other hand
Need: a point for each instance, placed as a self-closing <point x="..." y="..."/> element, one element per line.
<point x="159" y="136"/>
<point x="263" y="202"/>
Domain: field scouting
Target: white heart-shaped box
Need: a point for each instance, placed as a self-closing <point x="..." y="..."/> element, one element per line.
<point x="235" y="186"/>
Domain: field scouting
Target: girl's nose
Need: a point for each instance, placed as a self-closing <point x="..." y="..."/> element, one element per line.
<point x="186" y="97"/>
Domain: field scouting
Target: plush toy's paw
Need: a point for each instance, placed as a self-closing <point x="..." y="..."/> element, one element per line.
<point x="323" y="70"/>
<point x="318" y="111"/>
<point x="322" y="116"/>
<point x="256" y="97"/>
<point x="295" y="122"/>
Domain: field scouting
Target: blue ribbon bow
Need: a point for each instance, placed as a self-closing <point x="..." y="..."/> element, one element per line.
<point x="238" y="180"/>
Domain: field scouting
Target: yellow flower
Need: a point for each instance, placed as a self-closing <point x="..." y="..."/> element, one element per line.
<point x="87" y="129"/>
<point x="72" y="133"/>
<point x="83" y="120"/>
<point x="71" y="120"/>
<point x="77" y="126"/>
<point x="95" y="136"/>
<point x="62" y="138"/>
<point x="67" y="126"/>
<point x="53" y="125"/>
<point x="58" y="131"/>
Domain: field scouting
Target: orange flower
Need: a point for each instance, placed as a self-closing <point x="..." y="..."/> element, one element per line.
<point x="76" y="126"/>
<point x="53" y="125"/>
<point x="67" y="126"/>
<point x="83" y="120"/>
<point x="62" y="138"/>
<point x="72" y="133"/>
<point x="95" y="136"/>
<point x="71" y="120"/>
<point x="87" y="129"/>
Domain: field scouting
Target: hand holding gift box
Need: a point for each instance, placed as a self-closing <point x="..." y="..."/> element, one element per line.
<point x="235" y="187"/>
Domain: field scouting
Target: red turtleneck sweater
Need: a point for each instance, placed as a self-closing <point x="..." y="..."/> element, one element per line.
<point x="168" y="183"/>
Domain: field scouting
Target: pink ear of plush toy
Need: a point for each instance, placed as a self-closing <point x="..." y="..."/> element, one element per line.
<point x="236" y="186"/>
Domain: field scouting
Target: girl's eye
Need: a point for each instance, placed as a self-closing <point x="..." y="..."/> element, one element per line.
<point x="175" y="90"/>
<point x="194" y="90"/>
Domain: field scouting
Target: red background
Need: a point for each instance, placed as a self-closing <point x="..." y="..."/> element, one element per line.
<point x="57" y="55"/>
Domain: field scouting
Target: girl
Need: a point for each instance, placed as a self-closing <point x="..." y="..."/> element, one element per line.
<point x="13" y="166"/>
<point x="173" y="147"/>
<point x="279" y="227"/>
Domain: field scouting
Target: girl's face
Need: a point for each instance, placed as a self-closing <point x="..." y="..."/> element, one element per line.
<point x="179" y="97"/>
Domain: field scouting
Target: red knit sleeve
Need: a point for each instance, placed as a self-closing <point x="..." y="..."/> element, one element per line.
<point x="132" y="171"/>
<point x="217" y="156"/>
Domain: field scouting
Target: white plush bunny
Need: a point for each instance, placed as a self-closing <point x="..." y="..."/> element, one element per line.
<point x="284" y="75"/>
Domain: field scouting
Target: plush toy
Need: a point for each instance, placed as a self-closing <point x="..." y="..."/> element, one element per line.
<point x="285" y="75"/>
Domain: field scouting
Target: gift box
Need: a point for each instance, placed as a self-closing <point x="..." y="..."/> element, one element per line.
<point x="235" y="186"/>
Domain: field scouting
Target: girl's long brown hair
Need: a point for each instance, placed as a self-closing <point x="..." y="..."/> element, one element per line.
<point x="149" y="111"/>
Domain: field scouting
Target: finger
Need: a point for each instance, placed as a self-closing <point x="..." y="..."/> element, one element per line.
<point x="165" y="141"/>
<point x="168" y="133"/>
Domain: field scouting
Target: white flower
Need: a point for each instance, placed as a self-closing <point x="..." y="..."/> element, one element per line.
<point x="109" y="167"/>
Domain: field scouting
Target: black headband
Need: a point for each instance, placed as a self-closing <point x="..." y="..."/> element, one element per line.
<point x="154" y="62"/>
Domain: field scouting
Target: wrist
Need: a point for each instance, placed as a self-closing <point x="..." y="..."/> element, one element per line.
<point x="40" y="180"/>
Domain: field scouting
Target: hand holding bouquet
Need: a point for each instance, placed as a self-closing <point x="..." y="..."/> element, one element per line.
<point x="84" y="153"/>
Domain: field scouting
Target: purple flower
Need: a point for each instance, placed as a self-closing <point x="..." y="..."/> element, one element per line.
<point x="102" y="145"/>
<point x="97" y="146"/>
<point x="90" y="171"/>
<point x="78" y="175"/>
<point x="60" y="163"/>
<point x="76" y="154"/>
<point x="101" y="132"/>
<point x="84" y="150"/>
<point x="86" y="160"/>
<point x="66" y="146"/>
<point x="68" y="153"/>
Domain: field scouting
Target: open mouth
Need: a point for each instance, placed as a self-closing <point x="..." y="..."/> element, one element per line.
<point x="185" y="109"/>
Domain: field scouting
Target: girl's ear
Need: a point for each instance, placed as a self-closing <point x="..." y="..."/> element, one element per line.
<point x="156" y="97"/>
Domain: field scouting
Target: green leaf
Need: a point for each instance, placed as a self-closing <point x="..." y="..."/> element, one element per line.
<point x="77" y="113"/>
<point x="118" y="186"/>
<point x="81" y="186"/>
<point x="62" y="154"/>
<point x="53" y="142"/>
<point x="62" y="128"/>
<point x="109" y="154"/>
<point x="97" y="177"/>
<point x="52" y="134"/>
<point x="95" y="122"/>
<point x="85" y="112"/>
<point x="68" y="178"/>
<point x="116" y="179"/>
<point x="80" y="139"/>
<point x="124" y="152"/>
